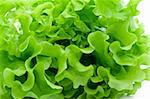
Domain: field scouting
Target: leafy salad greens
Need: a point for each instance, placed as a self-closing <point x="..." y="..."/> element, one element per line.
<point x="71" y="49"/>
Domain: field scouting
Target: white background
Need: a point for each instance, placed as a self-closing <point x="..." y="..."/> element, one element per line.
<point x="144" y="7"/>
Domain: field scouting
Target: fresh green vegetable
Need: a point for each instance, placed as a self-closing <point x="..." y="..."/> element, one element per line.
<point x="71" y="49"/>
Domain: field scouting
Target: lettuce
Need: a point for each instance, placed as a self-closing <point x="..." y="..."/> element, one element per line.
<point x="71" y="49"/>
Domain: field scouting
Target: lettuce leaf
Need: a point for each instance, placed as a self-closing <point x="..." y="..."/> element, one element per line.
<point x="71" y="49"/>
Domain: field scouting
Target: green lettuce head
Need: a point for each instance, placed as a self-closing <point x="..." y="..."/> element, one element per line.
<point x="71" y="49"/>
